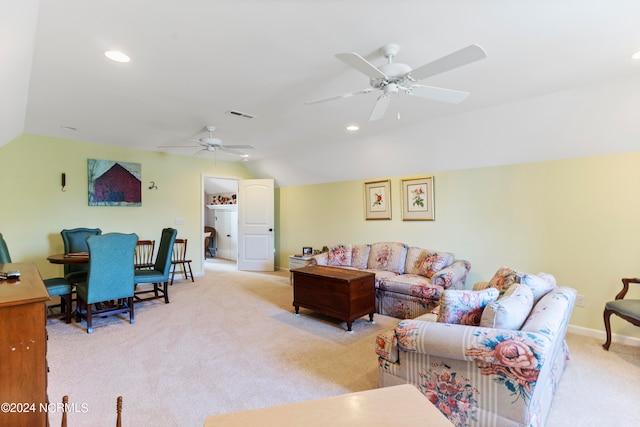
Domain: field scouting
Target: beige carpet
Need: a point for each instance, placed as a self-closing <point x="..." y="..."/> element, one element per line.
<point x="230" y="342"/>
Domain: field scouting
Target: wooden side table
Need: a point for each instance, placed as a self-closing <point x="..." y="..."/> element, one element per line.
<point x="298" y="261"/>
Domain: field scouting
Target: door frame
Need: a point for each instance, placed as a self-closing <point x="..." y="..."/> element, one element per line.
<point x="203" y="206"/>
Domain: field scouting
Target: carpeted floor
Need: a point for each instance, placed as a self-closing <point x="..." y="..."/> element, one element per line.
<point x="230" y="342"/>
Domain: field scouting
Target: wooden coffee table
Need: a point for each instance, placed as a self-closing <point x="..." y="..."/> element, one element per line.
<point x="336" y="292"/>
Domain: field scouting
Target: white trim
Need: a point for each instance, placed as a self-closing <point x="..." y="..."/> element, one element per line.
<point x="615" y="338"/>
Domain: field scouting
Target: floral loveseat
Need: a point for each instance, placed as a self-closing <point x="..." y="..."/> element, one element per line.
<point x="503" y="373"/>
<point x="409" y="280"/>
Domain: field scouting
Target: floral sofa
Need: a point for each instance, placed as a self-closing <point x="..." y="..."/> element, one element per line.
<point x="503" y="371"/>
<point x="409" y="280"/>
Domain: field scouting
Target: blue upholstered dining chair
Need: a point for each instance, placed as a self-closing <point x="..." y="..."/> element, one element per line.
<point x="159" y="274"/>
<point x="110" y="278"/>
<point x="5" y="258"/>
<point x="75" y="240"/>
<point x="59" y="287"/>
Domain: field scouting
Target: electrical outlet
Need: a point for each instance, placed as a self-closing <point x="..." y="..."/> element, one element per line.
<point x="179" y="221"/>
<point x="580" y="300"/>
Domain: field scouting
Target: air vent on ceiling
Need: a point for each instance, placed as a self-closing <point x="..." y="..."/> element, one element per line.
<point x="240" y="114"/>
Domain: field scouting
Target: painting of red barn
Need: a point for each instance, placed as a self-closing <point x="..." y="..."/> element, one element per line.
<point x="114" y="183"/>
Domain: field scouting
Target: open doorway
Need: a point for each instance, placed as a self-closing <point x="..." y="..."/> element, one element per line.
<point x="220" y="214"/>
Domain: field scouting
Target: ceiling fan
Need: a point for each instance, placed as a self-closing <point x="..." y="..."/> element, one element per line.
<point x="209" y="143"/>
<point x="393" y="77"/>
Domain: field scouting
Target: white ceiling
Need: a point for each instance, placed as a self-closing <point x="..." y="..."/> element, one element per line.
<point x="194" y="60"/>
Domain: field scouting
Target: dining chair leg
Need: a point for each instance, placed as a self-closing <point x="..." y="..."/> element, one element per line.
<point x="166" y="292"/>
<point x="67" y="307"/>
<point x="190" y="271"/>
<point x="132" y="318"/>
<point x="89" y="318"/>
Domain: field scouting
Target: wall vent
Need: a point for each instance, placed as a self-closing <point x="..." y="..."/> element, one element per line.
<point x="240" y="114"/>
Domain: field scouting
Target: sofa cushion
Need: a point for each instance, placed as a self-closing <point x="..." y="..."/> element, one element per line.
<point x="465" y="306"/>
<point x="340" y="255"/>
<point x="388" y="256"/>
<point x="415" y="285"/>
<point x="360" y="256"/>
<point x="510" y="310"/>
<point x="426" y="262"/>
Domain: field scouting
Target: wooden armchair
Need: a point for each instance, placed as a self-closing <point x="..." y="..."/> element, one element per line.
<point x="628" y="309"/>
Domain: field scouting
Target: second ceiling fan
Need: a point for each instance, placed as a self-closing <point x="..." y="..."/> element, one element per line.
<point x="392" y="77"/>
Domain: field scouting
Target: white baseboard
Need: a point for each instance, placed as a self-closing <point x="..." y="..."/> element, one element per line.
<point x="594" y="333"/>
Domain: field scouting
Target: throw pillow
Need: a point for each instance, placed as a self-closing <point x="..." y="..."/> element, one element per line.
<point x="465" y="307"/>
<point x="481" y="285"/>
<point x="340" y="255"/>
<point x="504" y="278"/>
<point x="540" y="284"/>
<point x="426" y="262"/>
<point x="510" y="310"/>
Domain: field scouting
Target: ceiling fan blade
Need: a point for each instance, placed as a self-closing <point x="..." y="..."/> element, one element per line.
<point x="438" y="94"/>
<point x="456" y="59"/>
<point x="241" y="147"/>
<point x="359" y="63"/>
<point x="179" y="146"/>
<point x="227" y="150"/>
<point x="344" y="95"/>
<point x="380" y="107"/>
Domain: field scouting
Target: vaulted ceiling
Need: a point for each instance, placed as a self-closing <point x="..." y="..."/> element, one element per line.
<point x="195" y="61"/>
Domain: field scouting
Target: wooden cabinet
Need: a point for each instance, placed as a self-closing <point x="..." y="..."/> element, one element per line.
<point x="23" y="348"/>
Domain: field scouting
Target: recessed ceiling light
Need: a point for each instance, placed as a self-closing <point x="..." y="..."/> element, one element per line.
<point x="117" y="56"/>
<point x="636" y="55"/>
<point x="353" y="128"/>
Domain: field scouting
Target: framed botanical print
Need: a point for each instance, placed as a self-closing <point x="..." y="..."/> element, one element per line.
<point x="377" y="199"/>
<point x="417" y="199"/>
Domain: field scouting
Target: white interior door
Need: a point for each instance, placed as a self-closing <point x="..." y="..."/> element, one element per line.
<point x="226" y="225"/>
<point x="256" y="248"/>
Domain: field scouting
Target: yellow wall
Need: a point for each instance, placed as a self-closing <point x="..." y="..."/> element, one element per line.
<point x="577" y="219"/>
<point x="34" y="209"/>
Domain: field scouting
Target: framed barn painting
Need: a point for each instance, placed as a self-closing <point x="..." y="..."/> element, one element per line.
<point x="377" y="199"/>
<point x="417" y="199"/>
<point x="113" y="183"/>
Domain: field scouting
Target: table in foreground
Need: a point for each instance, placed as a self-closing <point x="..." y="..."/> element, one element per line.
<point x="401" y="405"/>
<point x="337" y="292"/>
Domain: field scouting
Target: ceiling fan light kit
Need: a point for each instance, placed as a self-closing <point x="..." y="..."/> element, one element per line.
<point x="393" y="77"/>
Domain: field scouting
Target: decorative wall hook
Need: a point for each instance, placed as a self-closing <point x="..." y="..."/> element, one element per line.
<point x="153" y="185"/>
<point x="63" y="181"/>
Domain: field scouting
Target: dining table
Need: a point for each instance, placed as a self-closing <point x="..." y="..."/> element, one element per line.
<point x="82" y="258"/>
<point x="70" y="258"/>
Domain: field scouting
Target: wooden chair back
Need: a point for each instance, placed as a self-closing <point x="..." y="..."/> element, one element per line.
<point x="65" y="404"/>
<point x="143" y="257"/>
